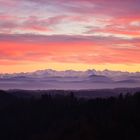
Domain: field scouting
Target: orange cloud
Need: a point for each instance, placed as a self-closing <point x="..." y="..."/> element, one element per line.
<point x="87" y="52"/>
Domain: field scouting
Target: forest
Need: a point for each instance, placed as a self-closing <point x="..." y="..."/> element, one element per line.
<point x="66" y="117"/>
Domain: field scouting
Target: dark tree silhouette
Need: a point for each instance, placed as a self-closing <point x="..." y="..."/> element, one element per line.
<point x="65" y="117"/>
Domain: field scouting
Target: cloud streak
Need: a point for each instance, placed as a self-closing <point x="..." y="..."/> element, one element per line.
<point x="66" y="49"/>
<point x="84" y="32"/>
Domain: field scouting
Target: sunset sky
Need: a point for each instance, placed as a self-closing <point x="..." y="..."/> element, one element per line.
<point x="69" y="34"/>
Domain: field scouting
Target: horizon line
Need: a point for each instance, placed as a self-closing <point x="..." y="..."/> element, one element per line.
<point x="32" y="71"/>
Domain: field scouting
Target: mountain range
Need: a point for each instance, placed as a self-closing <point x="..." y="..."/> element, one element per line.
<point x="69" y="79"/>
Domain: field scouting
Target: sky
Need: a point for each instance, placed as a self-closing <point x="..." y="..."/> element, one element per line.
<point x="69" y="34"/>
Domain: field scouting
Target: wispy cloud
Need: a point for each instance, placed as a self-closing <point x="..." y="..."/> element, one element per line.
<point x="65" y="48"/>
<point x="70" y="31"/>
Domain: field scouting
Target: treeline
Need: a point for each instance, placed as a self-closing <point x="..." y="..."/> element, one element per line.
<point x="69" y="118"/>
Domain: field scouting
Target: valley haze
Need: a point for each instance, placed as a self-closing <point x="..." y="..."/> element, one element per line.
<point x="69" y="80"/>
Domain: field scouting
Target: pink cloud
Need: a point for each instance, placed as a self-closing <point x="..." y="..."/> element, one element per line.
<point x="60" y="49"/>
<point x="122" y="26"/>
<point x="118" y="16"/>
<point x="9" y="24"/>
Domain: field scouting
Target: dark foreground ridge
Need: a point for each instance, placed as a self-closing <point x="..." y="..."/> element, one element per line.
<point x="66" y="117"/>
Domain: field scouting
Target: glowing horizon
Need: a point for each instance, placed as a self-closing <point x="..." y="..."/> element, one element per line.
<point x="74" y="34"/>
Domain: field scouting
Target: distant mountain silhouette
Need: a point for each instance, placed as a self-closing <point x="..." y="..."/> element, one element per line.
<point x="99" y="78"/>
<point x="69" y="79"/>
